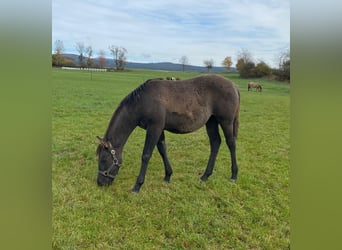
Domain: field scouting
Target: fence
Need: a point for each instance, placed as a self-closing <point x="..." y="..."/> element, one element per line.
<point x="85" y="69"/>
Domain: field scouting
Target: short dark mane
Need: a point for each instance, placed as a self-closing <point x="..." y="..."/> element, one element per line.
<point x="134" y="96"/>
<point x="131" y="99"/>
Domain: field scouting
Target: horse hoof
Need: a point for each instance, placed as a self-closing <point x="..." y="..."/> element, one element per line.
<point x="202" y="180"/>
<point x="135" y="190"/>
<point x="233" y="180"/>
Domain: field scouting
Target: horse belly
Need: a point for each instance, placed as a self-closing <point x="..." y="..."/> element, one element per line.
<point x="185" y="122"/>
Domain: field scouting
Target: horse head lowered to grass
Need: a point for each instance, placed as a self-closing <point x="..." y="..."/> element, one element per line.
<point x="179" y="107"/>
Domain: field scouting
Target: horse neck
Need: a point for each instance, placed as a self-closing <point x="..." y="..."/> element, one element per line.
<point x="120" y="127"/>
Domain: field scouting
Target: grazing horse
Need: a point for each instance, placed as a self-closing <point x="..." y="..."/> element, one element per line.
<point x="255" y="85"/>
<point x="159" y="105"/>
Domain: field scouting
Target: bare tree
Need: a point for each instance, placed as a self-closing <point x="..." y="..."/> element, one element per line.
<point x="59" y="47"/>
<point x="89" y="53"/>
<point x="57" y="57"/>
<point x="80" y="49"/>
<point x="284" y="57"/>
<point x="284" y="66"/>
<point x="184" y="61"/>
<point x="209" y="64"/>
<point x="245" y="56"/>
<point x="119" y="54"/>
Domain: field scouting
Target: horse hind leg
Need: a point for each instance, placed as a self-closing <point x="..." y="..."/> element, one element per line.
<point x="161" y="145"/>
<point x="228" y="130"/>
<point x="215" y="142"/>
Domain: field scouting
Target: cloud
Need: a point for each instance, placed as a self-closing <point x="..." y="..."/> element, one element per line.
<point x="168" y="30"/>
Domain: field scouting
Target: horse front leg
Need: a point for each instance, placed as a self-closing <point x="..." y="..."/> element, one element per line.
<point x="152" y="136"/>
<point x="162" y="151"/>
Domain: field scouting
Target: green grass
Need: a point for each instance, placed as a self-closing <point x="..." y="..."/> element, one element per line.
<point x="182" y="214"/>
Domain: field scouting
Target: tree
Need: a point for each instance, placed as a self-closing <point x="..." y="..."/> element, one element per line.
<point x="184" y="61"/>
<point x="245" y="64"/>
<point x="262" y="69"/>
<point x="227" y="63"/>
<point x="240" y="64"/>
<point x="209" y="64"/>
<point x="102" y="58"/>
<point x="69" y="62"/>
<point x="247" y="70"/>
<point x="59" y="47"/>
<point x="119" y="54"/>
<point x="89" y="52"/>
<point x="57" y="57"/>
<point x="284" y="66"/>
<point x="245" y="55"/>
<point x="80" y="49"/>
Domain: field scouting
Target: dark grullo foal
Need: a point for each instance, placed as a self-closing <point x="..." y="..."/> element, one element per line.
<point x="179" y="107"/>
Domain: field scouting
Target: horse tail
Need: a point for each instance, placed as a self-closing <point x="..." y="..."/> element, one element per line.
<point x="236" y="118"/>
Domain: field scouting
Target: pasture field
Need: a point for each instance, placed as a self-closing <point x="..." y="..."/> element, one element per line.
<point x="183" y="214"/>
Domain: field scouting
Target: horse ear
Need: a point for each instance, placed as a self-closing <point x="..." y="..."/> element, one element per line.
<point x="102" y="142"/>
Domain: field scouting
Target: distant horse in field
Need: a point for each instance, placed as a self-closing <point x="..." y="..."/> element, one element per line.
<point x="159" y="105"/>
<point x="255" y="85"/>
<point x="171" y="78"/>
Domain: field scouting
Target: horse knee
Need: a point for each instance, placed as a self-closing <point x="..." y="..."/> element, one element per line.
<point x="231" y="143"/>
<point x="145" y="158"/>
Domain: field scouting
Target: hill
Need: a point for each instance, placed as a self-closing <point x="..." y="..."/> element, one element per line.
<point x="152" y="66"/>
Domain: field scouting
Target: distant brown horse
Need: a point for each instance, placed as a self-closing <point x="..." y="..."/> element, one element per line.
<point x="182" y="107"/>
<point x="255" y="85"/>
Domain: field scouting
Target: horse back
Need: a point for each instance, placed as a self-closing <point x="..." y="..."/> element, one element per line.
<point x="207" y="90"/>
<point x="186" y="105"/>
<point x="254" y="85"/>
<point x="194" y="99"/>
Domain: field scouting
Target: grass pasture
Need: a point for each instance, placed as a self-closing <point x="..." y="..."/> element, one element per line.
<point x="182" y="214"/>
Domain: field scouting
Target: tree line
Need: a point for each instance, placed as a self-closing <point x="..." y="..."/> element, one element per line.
<point x="246" y="66"/>
<point x="249" y="69"/>
<point x="85" y="56"/>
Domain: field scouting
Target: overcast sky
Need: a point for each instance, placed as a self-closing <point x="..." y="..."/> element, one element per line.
<point x="164" y="31"/>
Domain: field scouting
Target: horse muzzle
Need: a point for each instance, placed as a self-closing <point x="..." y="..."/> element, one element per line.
<point x="104" y="180"/>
